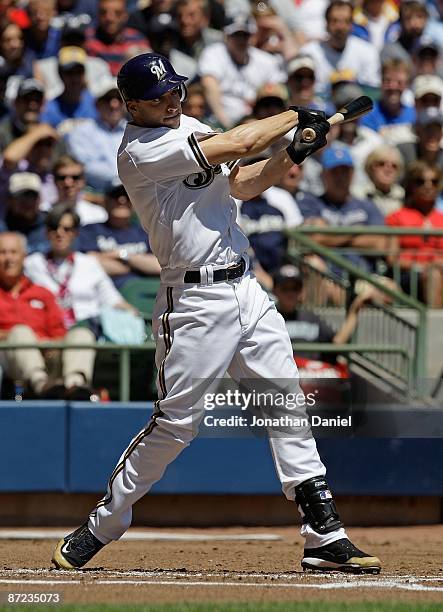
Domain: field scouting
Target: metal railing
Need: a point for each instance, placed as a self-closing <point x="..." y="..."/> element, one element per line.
<point x="125" y="350"/>
<point x="386" y="260"/>
<point x="330" y="294"/>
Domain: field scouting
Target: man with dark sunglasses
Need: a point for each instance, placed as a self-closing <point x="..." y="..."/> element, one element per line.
<point x="69" y="180"/>
<point x="105" y="132"/>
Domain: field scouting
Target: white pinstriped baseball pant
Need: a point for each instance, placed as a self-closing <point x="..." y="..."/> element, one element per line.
<point x="202" y="331"/>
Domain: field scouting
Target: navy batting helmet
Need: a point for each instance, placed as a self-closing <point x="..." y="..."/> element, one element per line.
<point x="148" y="76"/>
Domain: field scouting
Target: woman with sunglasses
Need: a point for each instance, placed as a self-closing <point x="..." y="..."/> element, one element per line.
<point x="383" y="167"/>
<point x="422" y="253"/>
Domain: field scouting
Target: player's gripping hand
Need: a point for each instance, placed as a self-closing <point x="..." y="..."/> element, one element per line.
<point x="299" y="150"/>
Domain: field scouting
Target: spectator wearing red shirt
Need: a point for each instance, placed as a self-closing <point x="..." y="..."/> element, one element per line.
<point x="112" y="40"/>
<point x="28" y="314"/>
<point x="424" y="253"/>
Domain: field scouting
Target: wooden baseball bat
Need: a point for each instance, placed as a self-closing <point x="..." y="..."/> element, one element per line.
<point x="350" y="111"/>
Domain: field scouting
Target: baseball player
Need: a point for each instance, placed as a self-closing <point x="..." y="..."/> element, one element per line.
<point x="211" y="315"/>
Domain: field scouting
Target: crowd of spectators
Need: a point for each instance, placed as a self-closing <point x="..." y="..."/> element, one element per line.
<point x="62" y="118"/>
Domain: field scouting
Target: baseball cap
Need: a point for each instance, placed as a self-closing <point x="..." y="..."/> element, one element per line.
<point x="300" y="61"/>
<point x="20" y="182"/>
<point x="427" y="84"/>
<point x="103" y="87"/>
<point x="288" y="272"/>
<point x="28" y="86"/>
<point x="336" y="156"/>
<point x="240" y="23"/>
<point x="430" y="115"/>
<point x="69" y="57"/>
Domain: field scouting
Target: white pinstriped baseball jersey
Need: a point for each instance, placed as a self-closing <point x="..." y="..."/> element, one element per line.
<point x="182" y="201"/>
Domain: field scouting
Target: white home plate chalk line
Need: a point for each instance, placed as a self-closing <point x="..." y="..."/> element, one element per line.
<point x="200" y="579"/>
<point x="55" y="534"/>
<point x="338" y="584"/>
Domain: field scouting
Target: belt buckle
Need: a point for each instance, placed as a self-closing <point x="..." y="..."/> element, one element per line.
<point x="229" y="271"/>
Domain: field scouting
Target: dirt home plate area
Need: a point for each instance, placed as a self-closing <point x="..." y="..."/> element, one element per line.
<point x="225" y="565"/>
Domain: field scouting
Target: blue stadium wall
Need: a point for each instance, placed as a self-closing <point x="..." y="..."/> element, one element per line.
<point x="60" y="447"/>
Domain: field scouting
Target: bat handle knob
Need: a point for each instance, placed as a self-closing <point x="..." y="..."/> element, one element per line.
<point x="309" y="135"/>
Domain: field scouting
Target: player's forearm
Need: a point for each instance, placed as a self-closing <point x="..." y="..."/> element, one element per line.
<point x="250" y="181"/>
<point x="249" y="139"/>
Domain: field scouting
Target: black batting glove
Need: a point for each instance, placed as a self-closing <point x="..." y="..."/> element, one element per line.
<point x="308" y="116"/>
<point x="299" y="150"/>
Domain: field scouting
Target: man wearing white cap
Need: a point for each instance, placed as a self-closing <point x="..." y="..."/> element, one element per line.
<point x="233" y="71"/>
<point x="106" y="132"/>
<point x="22" y="214"/>
<point x="428" y="91"/>
<point x="301" y="82"/>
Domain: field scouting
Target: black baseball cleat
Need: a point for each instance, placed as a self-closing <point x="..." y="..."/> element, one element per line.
<point x="340" y="556"/>
<point x="76" y="549"/>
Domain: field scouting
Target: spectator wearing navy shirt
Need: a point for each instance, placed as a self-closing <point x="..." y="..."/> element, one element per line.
<point x="264" y="220"/>
<point x="76" y="103"/>
<point x="391" y="118"/>
<point x="121" y="247"/>
<point x="338" y="207"/>
<point x="41" y="37"/>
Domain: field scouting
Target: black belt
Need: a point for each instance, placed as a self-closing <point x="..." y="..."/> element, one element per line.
<point x="225" y="274"/>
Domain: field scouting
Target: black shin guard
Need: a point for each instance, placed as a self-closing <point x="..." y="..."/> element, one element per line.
<point x="315" y="500"/>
